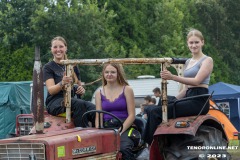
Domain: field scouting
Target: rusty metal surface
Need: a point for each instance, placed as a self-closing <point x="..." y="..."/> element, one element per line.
<point x="56" y="143"/>
<point x="169" y="127"/>
<point x="38" y="93"/>
<point x="67" y="94"/>
<point x="164" y="95"/>
<point x="54" y="123"/>
<point x="179" y="68"/>
<point x="165" y="62"/>
<point x="120" y="60"/>
<point x="103" y="140"/>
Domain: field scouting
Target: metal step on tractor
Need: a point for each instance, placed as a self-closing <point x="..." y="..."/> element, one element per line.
<point x="56" y="138"/>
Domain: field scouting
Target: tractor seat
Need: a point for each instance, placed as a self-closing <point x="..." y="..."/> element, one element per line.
<point x="62" y="114"/>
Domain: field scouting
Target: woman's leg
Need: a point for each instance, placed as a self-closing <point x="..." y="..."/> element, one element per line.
<point x="79" y="107"/>
<point x="153" y="120"/>
<point x="55" y="107"/>
<point x="126" y="145"/>
<point x="193" y="106"/>
<point x="91" y="117"/>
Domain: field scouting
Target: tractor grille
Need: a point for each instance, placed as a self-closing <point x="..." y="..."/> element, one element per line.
<point x="24" y="124"/>
<point x="22" y="151"/>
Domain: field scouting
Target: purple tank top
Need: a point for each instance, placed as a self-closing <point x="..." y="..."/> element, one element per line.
<point x="118" y="107"/>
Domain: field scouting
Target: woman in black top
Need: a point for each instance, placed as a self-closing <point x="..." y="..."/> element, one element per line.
<point x="55" y="79"/>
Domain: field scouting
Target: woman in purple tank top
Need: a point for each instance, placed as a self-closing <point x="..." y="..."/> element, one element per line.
<point x="117" y="97"/>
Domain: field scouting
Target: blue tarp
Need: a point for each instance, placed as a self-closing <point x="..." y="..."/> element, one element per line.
<point x="224" y="92"/>
<point x="14" y="100"/>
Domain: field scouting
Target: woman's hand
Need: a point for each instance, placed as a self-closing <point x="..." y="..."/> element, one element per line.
<point x="120" y="133"/>
<point x="80" y="90"/>
<point x="66" y="80"/>
<point x="167" y="75"/>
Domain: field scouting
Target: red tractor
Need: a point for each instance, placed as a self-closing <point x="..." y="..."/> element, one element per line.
<point x="56" y="138"/>
<point x="195" y="137"/>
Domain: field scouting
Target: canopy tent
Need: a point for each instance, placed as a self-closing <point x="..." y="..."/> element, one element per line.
<point x="14" y="100"/>
<point x="224" y="90"/>
<point x="227" y="96"/>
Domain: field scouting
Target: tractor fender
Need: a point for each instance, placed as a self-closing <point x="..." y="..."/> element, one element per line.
<point x="194" y="123"/>
<point x="168" y="128"/>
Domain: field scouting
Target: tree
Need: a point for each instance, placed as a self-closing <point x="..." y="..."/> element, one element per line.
<point x="214" y="17"/>
<point x="15" y="28"/>
<point x="118" y="29"/>
<point x="17" y="66"/>
<point x="85" y="28"/>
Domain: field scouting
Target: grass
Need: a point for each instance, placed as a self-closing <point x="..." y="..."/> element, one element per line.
<point x="235" y="151"/>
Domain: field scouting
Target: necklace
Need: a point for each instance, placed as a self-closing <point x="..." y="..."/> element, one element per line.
<point x="60" y="66"/>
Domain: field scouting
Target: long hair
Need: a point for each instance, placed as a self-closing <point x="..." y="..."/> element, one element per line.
<point x="120" y="74"/>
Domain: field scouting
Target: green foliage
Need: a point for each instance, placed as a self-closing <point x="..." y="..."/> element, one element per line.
<point x="15" y="17"/>
<point x="166" y="30"/>
<point x="118" y="29"/>
<point x="215" y="20"/>
<point x="83" y="25"/>
<point x="14" y="67"/>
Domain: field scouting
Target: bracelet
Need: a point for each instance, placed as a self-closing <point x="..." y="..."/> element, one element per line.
<point x="60" y="84"/>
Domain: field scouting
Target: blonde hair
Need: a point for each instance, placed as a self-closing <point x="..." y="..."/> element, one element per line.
<point x="120" y="74"/>
<point x="59" y="38"/>
<point x="194" y="32"/>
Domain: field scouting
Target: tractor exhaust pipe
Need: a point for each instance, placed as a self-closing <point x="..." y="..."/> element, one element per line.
<point x="38" y="101"/>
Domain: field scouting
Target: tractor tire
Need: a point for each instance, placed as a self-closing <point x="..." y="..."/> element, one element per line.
<point x="180" y="147"/>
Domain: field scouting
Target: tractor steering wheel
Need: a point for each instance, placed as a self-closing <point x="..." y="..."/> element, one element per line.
<point x="119" y="122"/>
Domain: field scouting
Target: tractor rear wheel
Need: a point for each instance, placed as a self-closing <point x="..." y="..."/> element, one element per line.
<point x="188" y="147"/>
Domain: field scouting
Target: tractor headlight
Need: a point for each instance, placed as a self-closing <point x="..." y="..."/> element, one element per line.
<point x="24" y="124"/>
<point x="182" y="124"/>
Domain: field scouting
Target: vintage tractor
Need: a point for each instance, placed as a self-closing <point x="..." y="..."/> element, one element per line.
<point x="195" y="137"/>
<point x="56" y="138"/>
